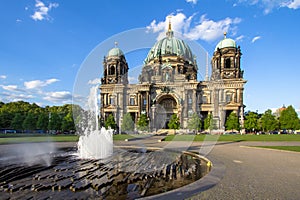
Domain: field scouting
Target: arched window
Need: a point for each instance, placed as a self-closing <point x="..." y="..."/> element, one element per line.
<point x="132" y="100"/>
<point x="112" y="70"/>
<point x="204" y="99"/>
<point x="228" y="97"/>
<point x="112" y="100"/>
<point x="227" y="63"/>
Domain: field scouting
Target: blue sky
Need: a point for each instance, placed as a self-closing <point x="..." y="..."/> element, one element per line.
<point x="43" y="44"/>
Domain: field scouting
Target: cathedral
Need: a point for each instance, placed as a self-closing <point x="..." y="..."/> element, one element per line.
<point x="168" y="85"/>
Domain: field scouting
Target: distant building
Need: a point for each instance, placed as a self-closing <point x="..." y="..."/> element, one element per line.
<point x="279" y="110"/>
<point x="168" y="84"/>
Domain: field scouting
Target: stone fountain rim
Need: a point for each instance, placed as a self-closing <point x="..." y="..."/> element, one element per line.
<point x="208" y="181"/>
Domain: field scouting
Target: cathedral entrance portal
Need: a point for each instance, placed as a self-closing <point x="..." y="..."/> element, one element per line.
<point x="167" y="106"/>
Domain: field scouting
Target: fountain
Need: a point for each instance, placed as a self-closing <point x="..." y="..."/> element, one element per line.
<point x="100" y="170"/>
<point x="95" y="143"/>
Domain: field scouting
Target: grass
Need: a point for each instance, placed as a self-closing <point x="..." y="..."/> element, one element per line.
<point x="20" y="138"/>
<point x="39" y="138"/>
<point x="122" y="137"/>
<point x="234" y="138"/>
<point x="286" y="148"/>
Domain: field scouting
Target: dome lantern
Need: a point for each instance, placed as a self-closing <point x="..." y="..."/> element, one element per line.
<point x="226" y="42"/>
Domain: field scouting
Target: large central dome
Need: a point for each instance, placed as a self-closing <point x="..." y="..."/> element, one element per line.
<point x="170" y="46"/>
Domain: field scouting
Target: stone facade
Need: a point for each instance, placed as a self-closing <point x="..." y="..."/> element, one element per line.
<point x="168" y="85"/>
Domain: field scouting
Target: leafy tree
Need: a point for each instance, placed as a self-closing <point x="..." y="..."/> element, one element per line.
<point x="232" y="122"/>
<point x="54" y="121"/>
<point x="68" y="122"/>
<point x="251" y="121"/>
<point x="208" y="122"/>
<point x="194" y="123"/>
<point x="42" y="122"/>
<point x="127" y="124"/>
<point x="268" y="121"/>
<point x="174" y="122"/>
<point x="143" y="123"/>
<point x="289" y="119"/>
<point x="5" y="119"/>
<point x="29" y="122"/>
<point x="17" y="121"/>
<point x="110" y="122"/>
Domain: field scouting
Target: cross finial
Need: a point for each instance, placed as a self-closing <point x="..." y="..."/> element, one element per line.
<point x="170" y="24"/>
<point x="169" y="33"/>
<point x="116" y="44"/>
<point x="225" y="33"/>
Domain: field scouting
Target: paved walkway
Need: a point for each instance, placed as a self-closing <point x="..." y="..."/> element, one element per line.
<point x="246" y="173"/>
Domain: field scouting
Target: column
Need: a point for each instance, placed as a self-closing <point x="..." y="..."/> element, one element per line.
<point x="194" y="101"/>
<point x="186" y="104"/>
<point x="152" y="120"/>
<point x="139" y="104"/>
<point x="148" y="104"/>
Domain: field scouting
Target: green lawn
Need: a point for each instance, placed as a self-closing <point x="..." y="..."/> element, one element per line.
<point x="233" y="138"/>
<point x="286" y="148"/>
<point x="19" y="138"/>
<point x="39" y="138"/>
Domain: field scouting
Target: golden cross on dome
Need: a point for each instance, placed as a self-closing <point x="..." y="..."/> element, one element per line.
<point x="170" y="24"/>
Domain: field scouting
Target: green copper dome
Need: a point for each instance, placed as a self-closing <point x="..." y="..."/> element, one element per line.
<point x="115" y="52"/>
<point x="170" y="46"/>
<point x="226" y="42"/>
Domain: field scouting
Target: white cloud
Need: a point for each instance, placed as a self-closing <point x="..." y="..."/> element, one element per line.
<point x="192" y="1"/>
<point x="95" y="81"/>
<point x="3" y="76"/>
<point x="58" y="97"/>
<point x="36" y="84"/>
<point x="10" y="87"/>
<point x="132" y="79"/>
<point x="32" y="84"/>
<point x="9" y="97"/>
<point x="41" y="10"/>
<point x="240" y="38"/>
<point x="295" y="4"/>
<point x="206" y="29"/>
<point x="255" y="39"/>
<point x="50" y="81"/>
<point x="268" y="5"/>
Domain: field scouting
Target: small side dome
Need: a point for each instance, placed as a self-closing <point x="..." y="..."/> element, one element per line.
<point x="226" y="42"/>
<point x="115" y="52"/>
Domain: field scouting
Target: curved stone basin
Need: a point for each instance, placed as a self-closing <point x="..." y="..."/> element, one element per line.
<point x="132" y="172"/>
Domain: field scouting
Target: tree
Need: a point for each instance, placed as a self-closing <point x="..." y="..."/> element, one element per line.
<point x="251" y="121"/>
<point x="54" y="121"/>
<point x="268" y="121"/>
<point x="174" y="122"/>
<point x="42" y="122"/>
<point x="289" y="119"/>
<point x="17" y="121"/>
<point x="127" y="124"/>
<point x="208" y="122"/>
<point x="143" y="123"/>
<point x="110" y="122"/>
<point x="232" y="122"/>
<point x="29" y="122"/>
<point x="194" y="123"/>
<point x="5" y="119"/>
<point x="68" y="122"/>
